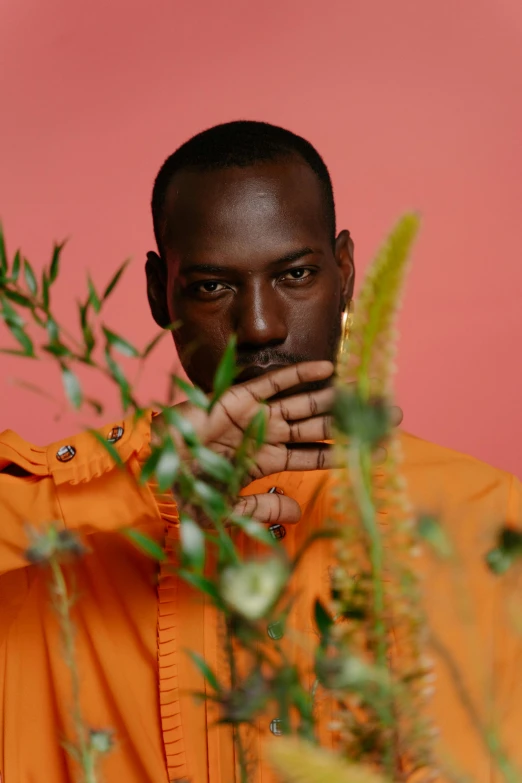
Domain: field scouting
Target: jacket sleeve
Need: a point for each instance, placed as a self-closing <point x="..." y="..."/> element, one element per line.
<point x="74" y="484"/>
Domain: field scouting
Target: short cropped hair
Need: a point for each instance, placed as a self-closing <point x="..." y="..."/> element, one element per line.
<point x="237" y="144"/>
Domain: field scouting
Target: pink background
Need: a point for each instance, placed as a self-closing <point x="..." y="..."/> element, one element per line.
<point x="413" y="104"/>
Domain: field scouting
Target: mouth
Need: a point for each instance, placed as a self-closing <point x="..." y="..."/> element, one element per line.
<point x="255" y="371"/>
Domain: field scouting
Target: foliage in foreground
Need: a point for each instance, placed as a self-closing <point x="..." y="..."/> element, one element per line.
<point x="354" y="662"/>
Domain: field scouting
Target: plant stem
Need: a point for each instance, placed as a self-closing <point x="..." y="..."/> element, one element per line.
<point x="238" y="740"/>
<point x="63" y="603"/>
<point x="360" y="467"/>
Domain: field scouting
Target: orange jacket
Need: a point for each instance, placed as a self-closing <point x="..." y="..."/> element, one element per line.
<point x="132" y="627"/>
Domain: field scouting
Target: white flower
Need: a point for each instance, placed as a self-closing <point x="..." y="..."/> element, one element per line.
<point x="251" y="588"/>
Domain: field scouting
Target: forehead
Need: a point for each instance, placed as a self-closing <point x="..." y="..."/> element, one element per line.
<point x="266" y="206"/>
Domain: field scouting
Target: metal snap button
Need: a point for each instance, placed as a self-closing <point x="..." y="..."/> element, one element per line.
<point x="65" y="453"/>
<point x="115" y="434"/>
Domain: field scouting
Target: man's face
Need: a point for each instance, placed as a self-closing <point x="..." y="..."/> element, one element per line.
<point x="249" y="252"/>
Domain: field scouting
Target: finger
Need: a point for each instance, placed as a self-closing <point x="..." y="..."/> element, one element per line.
<point x="274" y="382"/>
<point x="269" y="508"/>
<point x="305" y="431"/>
<point x="302" y="406"/>
<point x="310" y="458"/>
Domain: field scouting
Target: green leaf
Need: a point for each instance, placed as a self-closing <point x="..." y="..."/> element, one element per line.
<point x="214" y="465"/>
<point x="55" y="262"/>
<point x="15" y="271"/>
<point x="183" y="426"/>
<point x="194" y="394"/>
<point x="3" y="253"/>
<point x="192" y="543"/>
<point x="202" y="584"/>
<point x="88" y="340"/>
<point x="30" y="278"/>
<point x="323" y="620"/>
<point x="146" y="544"/>
<point x="56" y="349"/>
<point x="114" y="282"/>
<point x="23" y="338"/>
<point x="152" y="344"/>
<point x="72" y="387"/>
<point x="119" y="376"/>
<point x="14" y="296"/>
<point x="93" y="296"/>
<point x="82" y="312"/>
<point x="212" y="501"/>
<point x="9" y="314"/>
<point x="431" y="531"/>
<point x="109" y="448"/>
<point x="256" y="429"/>
<point x="119" y="343"/>
<point x="167" y="467"/>
<point x="149" y="467"/>
<point x="498" y="561"/>
<point x="204" y="669"/>
<point x="45" y="291"/>
<point x="95" y="405"/>
<point x="254" y="529"/>
<point x="52" y="330"/>
<point x="225" y="372"/>
<point x="367" y="421"/>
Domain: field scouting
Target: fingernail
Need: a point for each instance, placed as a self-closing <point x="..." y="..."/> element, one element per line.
<point x="275" y="490"/>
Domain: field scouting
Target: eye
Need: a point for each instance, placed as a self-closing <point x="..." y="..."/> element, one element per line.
<point x="208" y="287"/>
<point x="300" y="273"/>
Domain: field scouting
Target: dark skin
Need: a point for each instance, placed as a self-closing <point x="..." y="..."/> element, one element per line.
<point x="249" y="251"/>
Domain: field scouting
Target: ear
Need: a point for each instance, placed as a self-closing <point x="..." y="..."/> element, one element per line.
<point x="156" y="272"/>
<point x="344" y="251"/>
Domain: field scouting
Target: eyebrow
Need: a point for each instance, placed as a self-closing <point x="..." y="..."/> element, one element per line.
<point x="213" y="269"/>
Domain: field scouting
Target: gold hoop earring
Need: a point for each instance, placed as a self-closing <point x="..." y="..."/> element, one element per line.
<point x="346" y="328"/>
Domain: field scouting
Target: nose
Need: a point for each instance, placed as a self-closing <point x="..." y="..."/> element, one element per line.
<point x="260" y="317"/>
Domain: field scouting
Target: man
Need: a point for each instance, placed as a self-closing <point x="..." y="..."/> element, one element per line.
<point x="245" y="226"/>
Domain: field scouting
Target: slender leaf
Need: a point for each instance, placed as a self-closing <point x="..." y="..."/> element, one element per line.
<point x="167" y="467"/>
<point x="45" y="291"/>
<point x="52" y="329"/>
<point x="194" y="394"/>
<point x="204" y="669"/>
<point x="149" y="467"/>
<point x="212" y="501"/>
<point x="323" y="620"/>
<point x="109" y="448"/>
<point x="226" y="371"/>
<point x="88" y="340"/>
<point x="15" y="271"/>
<point x="55" y="262"/>
<point x="93" y="296"/>
<point x="72" y="387"/>
<point x="119" y="343"/>
<point x="95" y="405"/>
<point x="14" y="296"/>
<point x="192" y="543"/>
<point x="23" y="338"/>
<point x="30" y="277"/>
<point x="182" y="425"/>
<point x="56" y="349"/>
<point x="202" y="584"/>
<point x="254" y="529"/>
<point x="9" y="314"/>
<point x="146" y="544"/>
<point x="152" y="344"/>
<point x="3" y="253"/>
<point x="214" y="465"/>
<point x="119" y="376"/>
<point x="114" y="281"/>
